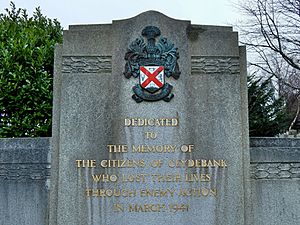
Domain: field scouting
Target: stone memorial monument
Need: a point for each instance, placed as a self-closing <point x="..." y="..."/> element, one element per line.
<point x="150" y="125"/>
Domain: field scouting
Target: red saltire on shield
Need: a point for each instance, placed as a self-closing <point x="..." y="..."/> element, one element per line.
<point x="152" y="77"/>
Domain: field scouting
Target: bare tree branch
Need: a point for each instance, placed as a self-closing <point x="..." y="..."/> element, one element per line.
<point x="272" y="33"/>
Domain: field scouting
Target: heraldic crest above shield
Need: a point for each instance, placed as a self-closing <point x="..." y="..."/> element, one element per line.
<point x="152" y="63"/>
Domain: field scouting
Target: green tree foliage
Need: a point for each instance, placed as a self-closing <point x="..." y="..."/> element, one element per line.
<point x="26" y="72"/>
<point x="267" y="114"/>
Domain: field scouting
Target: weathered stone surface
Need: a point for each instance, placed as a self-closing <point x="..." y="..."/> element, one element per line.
<point x="268" y="170"/>
<point x="23" y="201"/>
<point x="272" y="142"/>
<point x="87" y="64"/>
<point x="276" y="201"/>
<point x="24" y="150"/>
<point x="275" y="180"/>
<point x="284" y="167"/>
<point x="91" y="103"/>
<point x="215" y="65"/>
<point x="24" y="174"/>
<point x="24" y="159"/>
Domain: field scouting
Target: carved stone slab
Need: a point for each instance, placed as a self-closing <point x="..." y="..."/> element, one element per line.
<point x="215" y="65"/>
<point x="86" y="64"/>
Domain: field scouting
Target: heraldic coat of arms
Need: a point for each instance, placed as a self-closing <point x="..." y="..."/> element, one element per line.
<point x="152" y="63"/>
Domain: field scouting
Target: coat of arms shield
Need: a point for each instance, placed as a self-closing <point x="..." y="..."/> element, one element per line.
<point x="152" y="63"/>
<point x="152" y="78"/>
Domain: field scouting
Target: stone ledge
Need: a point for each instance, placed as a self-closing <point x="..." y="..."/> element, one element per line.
<point x="274" y="150"/>
<point x="274" y="142"/>
<point x="24" y="159"/>
<point x="24" y="150"/>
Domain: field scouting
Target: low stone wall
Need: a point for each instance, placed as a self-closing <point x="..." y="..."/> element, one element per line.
<point x="275" y="180"/>
<point x="24" y="179"/>
<point x="25" y="173"/>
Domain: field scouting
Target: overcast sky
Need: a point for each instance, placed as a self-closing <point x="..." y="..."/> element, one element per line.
<point x="212" y="12"/>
